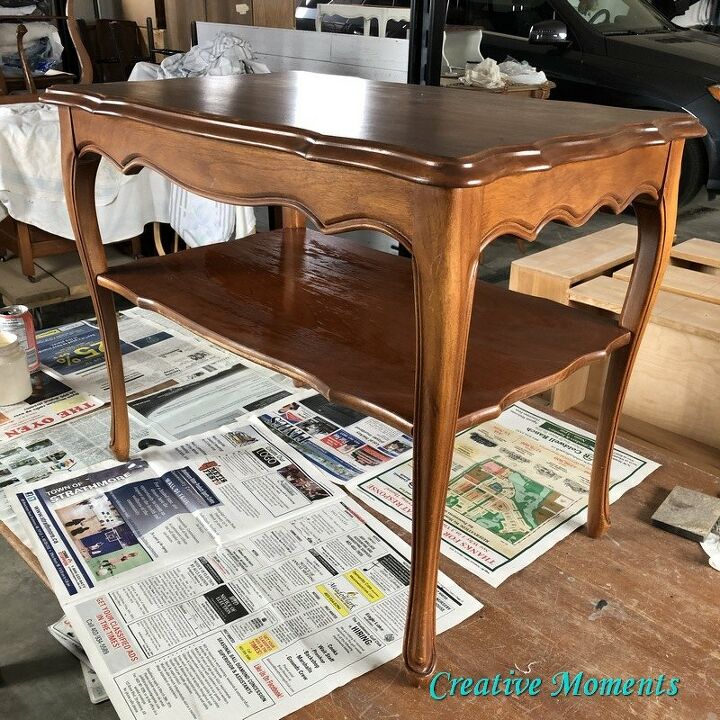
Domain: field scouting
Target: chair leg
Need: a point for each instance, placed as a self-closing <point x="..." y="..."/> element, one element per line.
<point x="25" y="251"/>
<point x="656" y="231"/>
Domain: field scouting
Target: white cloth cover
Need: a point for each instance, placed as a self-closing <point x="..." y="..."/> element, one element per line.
<point x="198" y="220"/>
<point x="31" y="183"/>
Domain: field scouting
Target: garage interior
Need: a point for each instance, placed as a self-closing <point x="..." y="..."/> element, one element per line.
<point x="322" y="235"/>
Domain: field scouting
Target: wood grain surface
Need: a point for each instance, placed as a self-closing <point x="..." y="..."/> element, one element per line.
<point x="425" y="134"/>
<point x="338" y="316"/>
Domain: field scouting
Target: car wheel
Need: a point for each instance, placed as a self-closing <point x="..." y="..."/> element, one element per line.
<point x="694" y="171"/>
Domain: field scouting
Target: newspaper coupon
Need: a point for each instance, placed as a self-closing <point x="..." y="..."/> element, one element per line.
<point x="343" y="443"/>
<point x="518" y="485"/>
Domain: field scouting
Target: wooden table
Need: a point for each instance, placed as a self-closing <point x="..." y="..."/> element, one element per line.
<point x="444" y="173"/>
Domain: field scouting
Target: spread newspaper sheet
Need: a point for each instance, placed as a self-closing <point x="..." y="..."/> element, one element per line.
<point x="156" y="354"/>
<point x="52" y="402"/>
<point x="342" y="443"/>
<point x="218" y="577"/>
<point x="183" y="385"/>
<point x="518" y="485"/>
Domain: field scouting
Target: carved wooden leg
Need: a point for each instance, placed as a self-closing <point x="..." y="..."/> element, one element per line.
<point x="656" y="230"/>
<point x="79" y="177"/>
<point x="444" y="288"/>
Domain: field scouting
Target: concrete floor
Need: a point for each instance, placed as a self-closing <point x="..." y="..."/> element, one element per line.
<point x="39" y="678"/>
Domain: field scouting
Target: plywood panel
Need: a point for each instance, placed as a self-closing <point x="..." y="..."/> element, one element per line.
<point x="234" y="12"/>
<point x="683" y="281"/>
<point x="702" y="252"/>
<point x="138" y="10"/>
<point x="178" y="16"/>
<point x="274" y="13"/>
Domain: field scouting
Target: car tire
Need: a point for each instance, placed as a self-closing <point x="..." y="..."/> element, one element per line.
<point x="694" y="171"/>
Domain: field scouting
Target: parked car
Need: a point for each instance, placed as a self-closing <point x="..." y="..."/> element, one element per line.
<point x="613" y="52"/>
<point x="698" y="14"/>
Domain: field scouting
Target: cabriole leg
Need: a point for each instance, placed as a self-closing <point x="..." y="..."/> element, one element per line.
<point x="656" y="230"/>
<point x="444" y="289"/>
<point x="79" y="178"/>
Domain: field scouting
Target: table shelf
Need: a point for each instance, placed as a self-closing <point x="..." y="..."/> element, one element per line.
<point x="339" y="316"/>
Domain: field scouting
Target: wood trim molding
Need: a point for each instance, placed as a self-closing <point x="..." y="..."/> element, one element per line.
<point x="143" y="105"/>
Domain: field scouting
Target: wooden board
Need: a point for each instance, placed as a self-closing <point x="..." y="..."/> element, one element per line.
<point x="16" y="289"/>
<point x="683" y="281"/>
<point x="552" y="272"/>
<point x="235" y="12"/>
<point x="336" y="54"/>
<point x="685" y="314"/>
<point x="274" y="13"/>
<point x="701" y="252"/>
<point x="675" y="381"/>
<point x="179" y="14"/>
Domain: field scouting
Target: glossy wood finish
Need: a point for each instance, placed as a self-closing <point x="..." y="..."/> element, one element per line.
<point x="419" y="133"/>
<point x="356" y="347"/>
<point x="444" y="173"/>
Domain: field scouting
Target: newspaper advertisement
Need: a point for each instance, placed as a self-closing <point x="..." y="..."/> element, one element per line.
<point x="52" y="401"/>
<point x="228" y="582"/>
<point x="213" y="401"/>
<point x="518" y="485"/>
<point x="343" y="443"/>
<point x="262" y="626"/>
<point x="155" y="356"/>
<point x="74" y="445"/>
<point x="171" y="501"/>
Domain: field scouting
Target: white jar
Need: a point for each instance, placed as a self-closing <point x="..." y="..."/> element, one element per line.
<point x="14" y="374"/>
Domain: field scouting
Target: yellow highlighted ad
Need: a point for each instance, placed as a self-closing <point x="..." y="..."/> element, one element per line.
<point x="257" y="647"/>
<point x="368" y="588"/>
<point x="334" y="600"/>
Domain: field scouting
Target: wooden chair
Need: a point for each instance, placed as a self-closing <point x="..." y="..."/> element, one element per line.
<point x="22" y="240"/>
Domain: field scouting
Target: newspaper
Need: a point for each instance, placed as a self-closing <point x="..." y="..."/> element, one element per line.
<point x="52" y="402"/>
<point x="518" y="485"/>
<point x="170" y="501"/>
<point x="343" y="443"/>
<point x="207" y="404"/>
<point x="155" y="355"/>
<point x="216" y="578"/>
<point x="62" y="631"/>
<point x="70" y="446"/>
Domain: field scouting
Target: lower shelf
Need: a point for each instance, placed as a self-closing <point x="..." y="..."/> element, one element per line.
<point x="340" y="317"/>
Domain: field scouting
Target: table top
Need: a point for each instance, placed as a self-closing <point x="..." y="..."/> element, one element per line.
<point x="424" y="134"/>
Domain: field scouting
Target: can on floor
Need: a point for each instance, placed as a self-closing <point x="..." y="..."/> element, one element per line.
<point x="17" y="319"/>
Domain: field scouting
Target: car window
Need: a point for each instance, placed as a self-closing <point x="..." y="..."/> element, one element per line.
<point x="506" y="16"/>
<point x="620" y="16"/>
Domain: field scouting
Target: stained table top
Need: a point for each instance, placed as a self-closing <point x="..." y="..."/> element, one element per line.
<point x="431" y="135"/>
